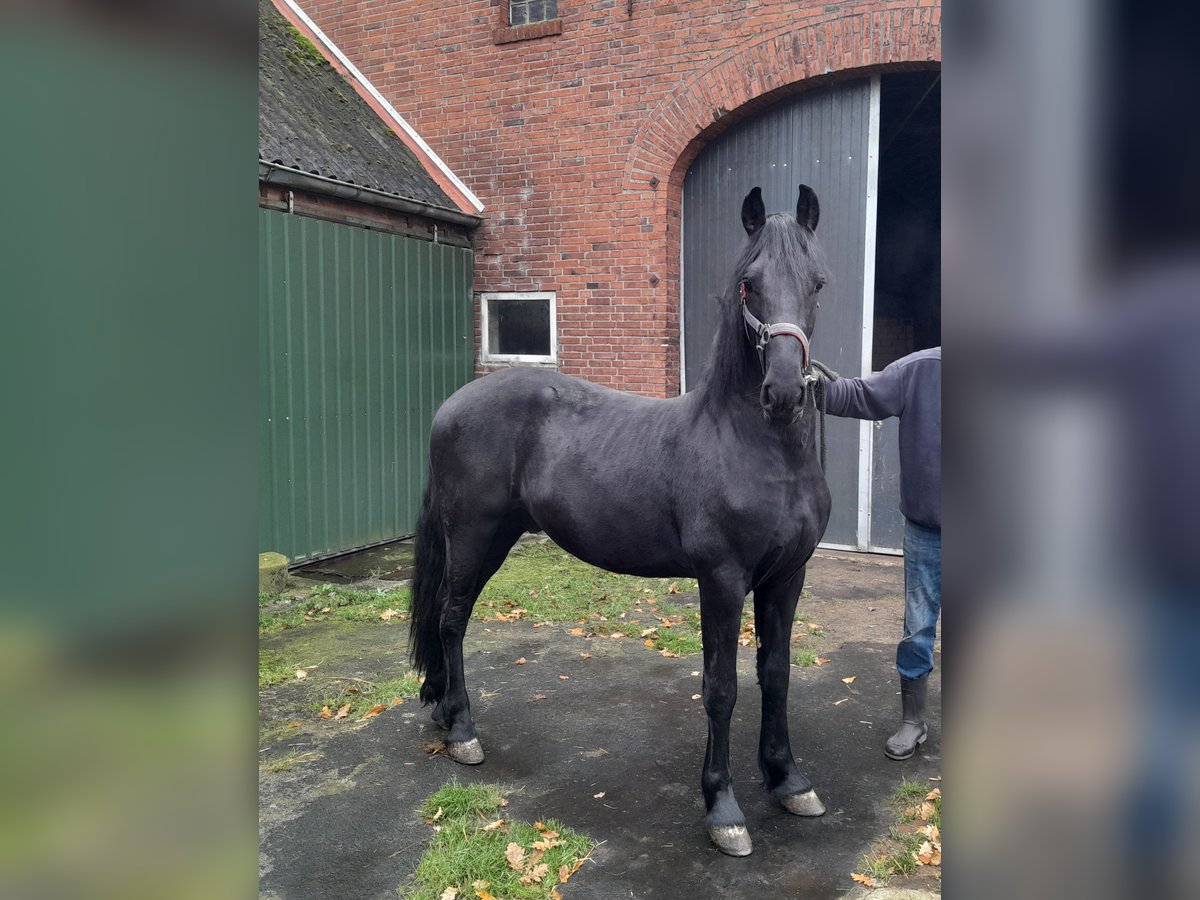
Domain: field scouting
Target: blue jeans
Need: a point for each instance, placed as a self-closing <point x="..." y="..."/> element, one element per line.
<point x="922" y="599"/>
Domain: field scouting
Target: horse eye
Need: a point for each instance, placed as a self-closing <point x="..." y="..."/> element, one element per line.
<point x="820" y="284"/>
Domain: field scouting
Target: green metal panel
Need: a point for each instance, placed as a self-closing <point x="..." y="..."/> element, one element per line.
<point x="363" y="335"/>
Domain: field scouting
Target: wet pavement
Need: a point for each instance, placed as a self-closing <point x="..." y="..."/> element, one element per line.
<point x="387" y="562"/>
<point x="624" y="723"/>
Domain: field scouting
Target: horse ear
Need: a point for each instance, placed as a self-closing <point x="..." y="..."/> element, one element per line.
<point x="808" y="210"/>
<point x="754" y="214"/>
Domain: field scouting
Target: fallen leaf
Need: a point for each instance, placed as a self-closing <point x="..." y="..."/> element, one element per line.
<point x="931" y="832"/>
<point x="668" y="654"/>
<point x="294" y="724"/>
<point x="300" y="673"/>
<point x="449" y="893"/>
<point x="521" y="661"/>
<point x="388" y="614"/>
<point x="437" y="815"/>
<point x="695" y="696"/>
<point x="540" y="826"/>
<point x="697" y="672"/>
<point x="813" y="626"/>
<point x="494" y="826"/>
<point x="649" y="631"/>
<point x="374" y="710"/>
<point x="927" y="855"/>
<point x="935" y="777"/>
<point x="515" y="854"/>
<point x="585" y="656"/>
<point x="555" y="895"/>
<point x="565" y="872"/>
<point x="820" y="660"/>
<point x="434" y="747"/>
<point x="840" y="702"/>
<point x="342" y="712"/>
<point x="547" y="844"/>
<point x="935" y="794"/>
<point x="353" y="690"/>
<point x="326" y="609"/>
<point x="504" y="801"/>
<point x="564" y="677"/>
<point x="927" y="811"/>
<point x="396" y="701"/>
<point x="539" y="696"/>
<point x="484" y="895"/>
<point x="674" y="588"/>
<point x="649" y="643"/>
<point x="325" y="713"/>
<point x="578" y="632"/>
<point x="598" y="796"/>
<point x="535" y="874"/>
<point x="481" y="885"/>
<point x="616" y="635"/>
<point x="849" y="680"/>
<point x="864" y="880"/>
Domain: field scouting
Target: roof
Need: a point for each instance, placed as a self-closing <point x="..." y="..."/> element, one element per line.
<point x="313" y="119"/>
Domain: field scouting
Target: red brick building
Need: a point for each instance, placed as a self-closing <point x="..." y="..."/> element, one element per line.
<point x="576" y="133"/>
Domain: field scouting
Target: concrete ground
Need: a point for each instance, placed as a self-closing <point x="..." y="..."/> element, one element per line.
<point x="343" y="822"/>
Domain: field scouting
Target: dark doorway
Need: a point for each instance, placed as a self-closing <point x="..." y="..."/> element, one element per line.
<point x="908" y="309"/>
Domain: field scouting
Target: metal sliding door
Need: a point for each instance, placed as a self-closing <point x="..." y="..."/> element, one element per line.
<point x="826" y="138"/>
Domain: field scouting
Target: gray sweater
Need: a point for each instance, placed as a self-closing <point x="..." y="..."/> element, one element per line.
<point x="910" y="388"/>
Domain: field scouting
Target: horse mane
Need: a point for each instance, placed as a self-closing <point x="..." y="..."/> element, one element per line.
<point x="733" y="366"/>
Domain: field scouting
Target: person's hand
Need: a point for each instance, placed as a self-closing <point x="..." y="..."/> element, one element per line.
<point x="825" y="371"/>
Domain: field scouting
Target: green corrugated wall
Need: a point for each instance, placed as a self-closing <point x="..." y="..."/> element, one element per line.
<point x="362" y="336"/>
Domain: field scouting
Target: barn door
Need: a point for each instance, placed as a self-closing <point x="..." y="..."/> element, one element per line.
<point x="827" y="138"/>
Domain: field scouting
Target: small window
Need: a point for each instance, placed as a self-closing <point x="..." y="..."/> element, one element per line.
<point x="527" y="12"/>
<point x="519" y="327"/>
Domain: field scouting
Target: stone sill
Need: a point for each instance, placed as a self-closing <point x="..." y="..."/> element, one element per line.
<point x="511" y="33"/>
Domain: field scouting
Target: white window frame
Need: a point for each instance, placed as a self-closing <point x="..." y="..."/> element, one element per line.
<point x="485" y="354"/>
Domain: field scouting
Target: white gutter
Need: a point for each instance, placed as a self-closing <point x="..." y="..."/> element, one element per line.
<point x="396" y="117"/>
<point x="272" y="173"/>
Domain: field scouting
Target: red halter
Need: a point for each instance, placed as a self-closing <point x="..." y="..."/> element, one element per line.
<point x="764" y="332"/>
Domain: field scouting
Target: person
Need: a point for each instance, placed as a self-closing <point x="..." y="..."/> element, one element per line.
<point x="911" y="389"/>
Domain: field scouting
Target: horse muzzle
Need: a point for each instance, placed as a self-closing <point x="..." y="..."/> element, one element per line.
<point x="781" y="404"/>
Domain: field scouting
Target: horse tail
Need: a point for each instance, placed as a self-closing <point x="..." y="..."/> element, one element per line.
<point x="428" y="599"/>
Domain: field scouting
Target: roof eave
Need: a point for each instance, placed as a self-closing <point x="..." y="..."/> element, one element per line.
<point x="275" y="173"/>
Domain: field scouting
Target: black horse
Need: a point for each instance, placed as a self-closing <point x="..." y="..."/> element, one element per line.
<point x="722" y="484"/>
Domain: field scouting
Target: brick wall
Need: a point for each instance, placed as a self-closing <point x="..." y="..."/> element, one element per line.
<point x="577" y="139"/>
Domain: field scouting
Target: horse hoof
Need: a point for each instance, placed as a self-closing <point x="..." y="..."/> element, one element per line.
<point x="806" y="804"/>
<point x="469" y="753"/>
<point x="733" y="840"/>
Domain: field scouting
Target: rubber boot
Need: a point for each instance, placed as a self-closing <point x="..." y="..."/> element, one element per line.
<point x="903" y="743"/>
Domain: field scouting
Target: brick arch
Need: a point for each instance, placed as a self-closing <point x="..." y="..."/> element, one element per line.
<point x="766" y="68"/>
<point x="735" y="86"/>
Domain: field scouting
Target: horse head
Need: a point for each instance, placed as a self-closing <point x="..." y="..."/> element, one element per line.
<point x="778" y="278"/>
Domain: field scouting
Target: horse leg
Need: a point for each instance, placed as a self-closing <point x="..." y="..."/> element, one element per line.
<point x="774" y="610"/>
<point x="474" y="554"/>
<point x="721" y="602"/>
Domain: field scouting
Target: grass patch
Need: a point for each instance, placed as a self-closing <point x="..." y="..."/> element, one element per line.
<point x="333" y="602"/>
<point x="289" y="761"/>
<point x="543" y="583"/>
<point x="362" y="694"/>
<point x="896" y="855"/>
<point x="908" y="793"/>
<point x="470" y="848"/>
<point x="805" y="658"/>
<point x="553" y="586"/>
<point x="453" y="801"/>
<point x="273" y="669"/>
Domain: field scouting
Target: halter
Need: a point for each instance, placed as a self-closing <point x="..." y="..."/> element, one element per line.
<point x="764" y="332"/>
<point x="815" y="393"/>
